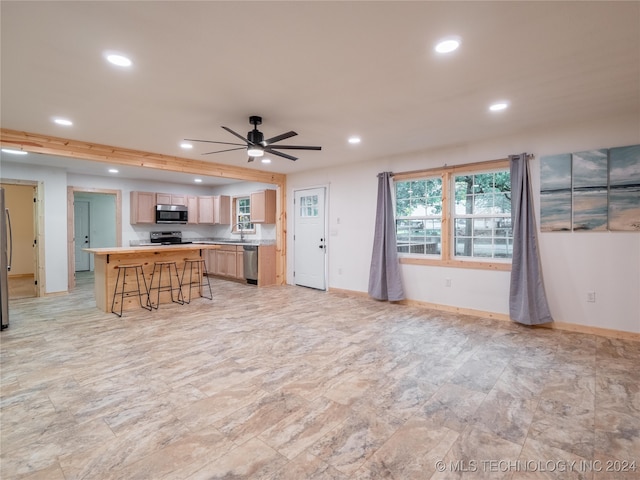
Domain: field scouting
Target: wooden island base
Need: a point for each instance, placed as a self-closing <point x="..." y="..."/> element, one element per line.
<point x="107" y="260"/>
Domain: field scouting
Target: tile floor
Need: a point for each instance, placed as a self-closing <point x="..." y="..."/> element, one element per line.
<point x="293" y="383"/>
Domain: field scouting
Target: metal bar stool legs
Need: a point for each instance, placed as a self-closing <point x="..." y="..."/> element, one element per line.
<point x="122" y="271"/>
<point x="200" y="271"/>
<point x="158" y="268"/>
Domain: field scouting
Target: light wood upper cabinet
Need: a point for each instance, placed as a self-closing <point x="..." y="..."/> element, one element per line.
<point x="214" y="210"/>
<point x="222" y="209"/>
<point x="192" y="207"/>
<point x="263" y="206"/>
<point x="143" y="207"/>
<point x="178" y="200"/>
<point x="205" y="210"/>
<point x="171" y="199"/>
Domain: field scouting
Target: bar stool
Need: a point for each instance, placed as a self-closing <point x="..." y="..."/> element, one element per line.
<point x="137" y="270"/>
<point x="158" y="267"/>
<point x="200" y="270"/>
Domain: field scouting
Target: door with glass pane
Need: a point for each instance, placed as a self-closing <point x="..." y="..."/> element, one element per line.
<point x="310" y="242"/>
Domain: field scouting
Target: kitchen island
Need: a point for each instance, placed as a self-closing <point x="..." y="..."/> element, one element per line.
<point x="106" y="261"/>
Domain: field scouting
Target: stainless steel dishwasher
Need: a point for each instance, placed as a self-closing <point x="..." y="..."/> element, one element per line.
<point x="250" y="261"/>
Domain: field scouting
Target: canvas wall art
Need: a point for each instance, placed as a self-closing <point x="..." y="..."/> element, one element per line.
<point x="590" y="192"/>
<point x="555" y="193"/>
<point x="595" y="190"/>
<point x="624" y="188"/>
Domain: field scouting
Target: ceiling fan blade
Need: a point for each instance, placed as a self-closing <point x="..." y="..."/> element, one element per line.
<point x="210" y="141"/>
<point x="295" y="147"/>
<point x="228" y="150"/>
<point x="238" y="135"/>
<point x="279" y="154"/>
<point x="277" y="138"/>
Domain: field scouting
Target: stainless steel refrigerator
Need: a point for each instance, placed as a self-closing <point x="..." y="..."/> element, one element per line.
<point x="6" y="247"/>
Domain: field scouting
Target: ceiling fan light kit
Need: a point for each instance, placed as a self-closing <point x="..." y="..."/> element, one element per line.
<point x="256" y="145"/>
<point x="255" y="151"/>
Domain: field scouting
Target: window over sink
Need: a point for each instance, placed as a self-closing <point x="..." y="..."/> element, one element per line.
<point x="242" y="215"/>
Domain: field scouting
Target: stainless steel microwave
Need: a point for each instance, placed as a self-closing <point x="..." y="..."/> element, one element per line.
<point x="171" y="214"/>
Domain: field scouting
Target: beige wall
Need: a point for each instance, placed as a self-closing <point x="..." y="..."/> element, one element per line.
<point x="19" y="201"/>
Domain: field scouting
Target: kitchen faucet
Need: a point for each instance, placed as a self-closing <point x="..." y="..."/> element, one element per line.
<point x="239" y="225"/>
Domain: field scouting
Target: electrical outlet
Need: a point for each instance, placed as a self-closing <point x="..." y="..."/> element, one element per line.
<point x="591" y="297"/>
<point x="339" y="271"/>
<point x="447" y="282"/>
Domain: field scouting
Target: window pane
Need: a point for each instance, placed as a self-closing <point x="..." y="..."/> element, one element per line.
<point x="463" y="246"/>
<point x="309" y="206"/>
<point x="503" y="203"/>
<point x="482" y="227"/>
<point x="481" y="197"/>
<point x="482" y="247"/>
<point x="463" y="226"/>
<point x="483" y="203"/>
<point x="419" y="236"/>
<point x="419" y="198"/>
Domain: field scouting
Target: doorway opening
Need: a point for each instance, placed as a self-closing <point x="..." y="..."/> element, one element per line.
<point x="24" y="201"/>
<point x="94" y="219"/>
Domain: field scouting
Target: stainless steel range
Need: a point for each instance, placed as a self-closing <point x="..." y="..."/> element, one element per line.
<point x="167" y="238"/>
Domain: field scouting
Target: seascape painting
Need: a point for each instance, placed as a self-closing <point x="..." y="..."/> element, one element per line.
<point x="624" y="188"/>
<point x="590" y="192"/>
<point x="555" y="193"/>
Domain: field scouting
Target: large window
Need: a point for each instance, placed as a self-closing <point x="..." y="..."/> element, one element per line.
<point x="455" y="216"/>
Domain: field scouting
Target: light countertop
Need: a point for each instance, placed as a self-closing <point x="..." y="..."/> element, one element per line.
<point x="151" y="248"/>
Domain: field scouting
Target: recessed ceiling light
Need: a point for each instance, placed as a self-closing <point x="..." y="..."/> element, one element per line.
<point x="354" y="140"/>
<point x="197" y="180"/>
<point x="113" y="170"/>
<point x="448" y="45"/>
<point x="266" y="160"/>
<point x="63" y="121"/>
<point x="14" y="152"/>
<point x="119" y="60"/>
<point x="499" y="106"/>
<point x="186" y="146"/>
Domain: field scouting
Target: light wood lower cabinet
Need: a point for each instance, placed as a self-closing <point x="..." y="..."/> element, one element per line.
<point x="228" y="262"/>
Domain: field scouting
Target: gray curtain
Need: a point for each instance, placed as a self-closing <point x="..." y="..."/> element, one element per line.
<point x="384" y="277"/>
<point x="527" y="300"/>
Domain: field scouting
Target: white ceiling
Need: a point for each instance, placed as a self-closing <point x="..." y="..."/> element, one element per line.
<point x="327" y="70"/>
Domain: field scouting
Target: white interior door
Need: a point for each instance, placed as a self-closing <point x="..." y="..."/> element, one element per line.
<point x="309" y="239"/>
<point x="81" y="234"/>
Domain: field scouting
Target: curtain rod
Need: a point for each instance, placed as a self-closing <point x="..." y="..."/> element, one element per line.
<point x="445" y="166"/>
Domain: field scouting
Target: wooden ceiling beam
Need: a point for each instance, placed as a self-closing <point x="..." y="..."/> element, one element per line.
<point x="36" y="143"/>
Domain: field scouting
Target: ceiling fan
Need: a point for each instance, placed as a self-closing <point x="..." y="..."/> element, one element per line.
<point x="256" y="145"/>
